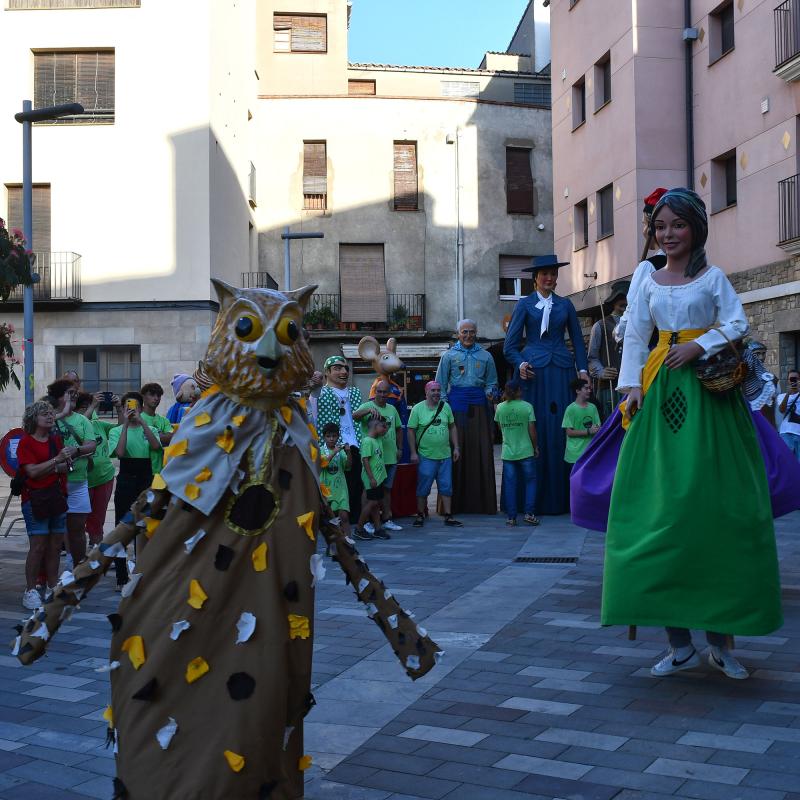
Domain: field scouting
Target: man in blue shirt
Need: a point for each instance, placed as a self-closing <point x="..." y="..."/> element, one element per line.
<point x="468" y="377"/>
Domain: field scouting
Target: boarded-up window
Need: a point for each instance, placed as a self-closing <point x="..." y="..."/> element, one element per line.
<point x="41" y="214"/>
<point x="86" y="78"/>
<point x="513" y="281"/>
<point x="519" y="181"/>
<point x="362" y="279"/>
<point x="461" y="89"/>
<point x="300" y="33"/>
<point x="315" y="175"/>
<point x="405" y="176"/>
<point x="359" y="87"/>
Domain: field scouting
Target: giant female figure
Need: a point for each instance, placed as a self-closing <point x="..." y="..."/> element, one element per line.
<point x="546" y="367"/>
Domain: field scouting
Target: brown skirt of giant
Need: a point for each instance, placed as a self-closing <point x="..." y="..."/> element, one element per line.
<point x="474" y="490"/>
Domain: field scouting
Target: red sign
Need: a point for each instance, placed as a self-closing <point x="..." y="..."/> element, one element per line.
<point x="8" y="451"/>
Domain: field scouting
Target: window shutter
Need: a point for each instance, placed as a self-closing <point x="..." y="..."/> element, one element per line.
<point x="41" y="215"/>
<point x="405" y="176"/>
<point x="95" y="82"/>
<point x="300" y="33"/>
<point x="362" y="279"/>
<point x="512" y="266"/>
<point x="356" y="87"/>
<point x="86" y="78"/>
<point x="315" y="168"/>
<point x="519" y="181"/>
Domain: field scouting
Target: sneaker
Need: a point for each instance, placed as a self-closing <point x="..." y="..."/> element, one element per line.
<point x="511" y="522"/>
<point x="419" y="521"/>
<point x="670" y="664"/>
<point x="31" y="599"/>
<point x="531" y="519"/>
<point x="369" y="528"/>
<point x="452" y="521"/>
<point x="392" y="526"/>
<point x="381" y="534"/>
<point x="363" y="535"/>
<point x="721" y="659"/>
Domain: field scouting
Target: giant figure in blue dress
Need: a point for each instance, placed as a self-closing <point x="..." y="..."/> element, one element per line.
<point x="536" y="348"/>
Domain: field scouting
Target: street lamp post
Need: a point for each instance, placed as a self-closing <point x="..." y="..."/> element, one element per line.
<point x="287" y="237"/>
<point x="27" y="117"/>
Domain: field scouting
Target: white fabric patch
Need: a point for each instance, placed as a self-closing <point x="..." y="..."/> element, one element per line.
<point x="15" y="651"/>
<point x="246" y="624"/>
<point x="166" y="733"/>
<point x="412" y="662"/>
<point x="392" y="620"/>
<point x="178" y="628"/>
<point x="362" y="584"/>
<point x="287" y="734"/>
<point x="108" y="667"/>
<point x="130" y="586"/>
<point x="317" y="566"/>
<point x="190" y="543"/>
<point x="66" y="578"/>
<point x="41" y="632"/>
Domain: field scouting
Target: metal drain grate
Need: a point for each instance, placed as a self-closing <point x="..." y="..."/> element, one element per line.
<point x="546" y="560"/>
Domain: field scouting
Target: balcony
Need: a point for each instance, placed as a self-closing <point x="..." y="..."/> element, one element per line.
<point x="258" y="280"/>
<point x="59" y="280"/>
<point x="786" y="19"/>
<point x="405" y="313"/>
<point x="789" y="214"/>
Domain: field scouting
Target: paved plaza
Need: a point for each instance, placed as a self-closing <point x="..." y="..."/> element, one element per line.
<point x="533" y="699"/>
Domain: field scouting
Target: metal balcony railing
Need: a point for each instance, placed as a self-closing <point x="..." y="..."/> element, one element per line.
<point x="786" y="18"/>
<point x="59" y="279"/>
<point x="258" y="280"/>
<point x="789" y="209"/>
<point x="404" y="312"/>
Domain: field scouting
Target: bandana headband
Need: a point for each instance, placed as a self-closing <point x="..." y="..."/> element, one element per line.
<point x="329" y="362"/>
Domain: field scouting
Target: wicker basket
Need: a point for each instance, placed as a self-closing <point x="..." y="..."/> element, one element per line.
<point x="724" y="371"/>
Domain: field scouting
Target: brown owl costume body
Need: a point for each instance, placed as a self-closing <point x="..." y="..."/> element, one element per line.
<point x="211" y="651"/>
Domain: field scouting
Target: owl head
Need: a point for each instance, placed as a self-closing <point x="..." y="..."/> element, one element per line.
<point x="257" y="351"/>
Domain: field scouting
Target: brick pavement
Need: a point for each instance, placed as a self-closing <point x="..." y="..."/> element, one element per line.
<point x="533" y="699"/>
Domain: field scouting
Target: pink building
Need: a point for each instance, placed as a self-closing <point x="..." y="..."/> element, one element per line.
<point x="622" y="126"/>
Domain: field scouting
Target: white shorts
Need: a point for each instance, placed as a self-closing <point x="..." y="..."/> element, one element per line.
<point x="78" y="497"/>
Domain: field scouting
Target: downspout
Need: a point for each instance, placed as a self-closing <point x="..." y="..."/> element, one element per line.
<point x="459" y="237"/>
<point x="689" y="35"/>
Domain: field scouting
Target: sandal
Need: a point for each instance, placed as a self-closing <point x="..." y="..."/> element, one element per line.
<point x="419" y="521"/>
<point x="453" y="522"/>
<point x="532" y="519"/>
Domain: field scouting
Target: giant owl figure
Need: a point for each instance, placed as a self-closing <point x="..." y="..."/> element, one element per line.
<point x="211" y="648"/>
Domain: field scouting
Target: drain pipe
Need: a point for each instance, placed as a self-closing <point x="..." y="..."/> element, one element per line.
<point x="689" y="36"/>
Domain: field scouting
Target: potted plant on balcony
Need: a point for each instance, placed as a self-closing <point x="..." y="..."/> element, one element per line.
<point x="399" y="321"/>
<point x="311" y="319"/>
<point x="327" y="318"/>
<point x="15" y="270"/>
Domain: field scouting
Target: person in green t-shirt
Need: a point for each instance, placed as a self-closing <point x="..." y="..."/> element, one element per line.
<point x="373" y="475"/>
<point x="433" y="444"/>
<point x="391" y="443"/>
<point x="520" y="449"/>
<point x="77" y="434"/>
<point x="335" y="460"/>
<point x="581" y="421"/>
<point x="151" y="397"/>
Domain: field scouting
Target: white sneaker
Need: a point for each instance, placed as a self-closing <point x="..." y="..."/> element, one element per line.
<point x="721" y="659"/>
<point x="392" y="526"/>
<point x="369" y="528"/>
<point x="671" y="664"/>
<point x="31" y="599"/>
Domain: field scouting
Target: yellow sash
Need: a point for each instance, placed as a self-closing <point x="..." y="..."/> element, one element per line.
<point x="656" y="359"/>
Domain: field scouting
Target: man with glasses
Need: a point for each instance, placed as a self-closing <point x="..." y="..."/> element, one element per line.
<point x="468" y="377"/>
<point x="789" y="407"/>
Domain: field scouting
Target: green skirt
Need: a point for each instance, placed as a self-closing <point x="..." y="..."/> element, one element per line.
<point x="690" y="539"/>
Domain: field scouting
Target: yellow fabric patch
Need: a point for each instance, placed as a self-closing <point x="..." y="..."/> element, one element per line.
<point x="192" y="491"/>
<point x="314" y="452"/>
<point x="286" y="413"/>
<point x="303" y="403"/>
<point x="158" y="482"/>
<point x="196" y="668"/>
<point x="235" y="761"/>
<point x="150" y="526"/>
<point x="196" y="595"/>
<point x="298" y="627"/>
<point x="306" y="522"/>
<point x="204" y="475"/>
<point x="134" y="647"/>
<point x="225" y="440"/>
<point x="259" y="557"/>
<point x="304" y="763"/>
<point x="326" y="492"/>
<point x="213" y="389"/>
<point x="202" y="419"/>
<point x="238" y="420"/>
<point x="313" y="431"/>
<point x="178" y="449"/>
<point x="108" y="716"/>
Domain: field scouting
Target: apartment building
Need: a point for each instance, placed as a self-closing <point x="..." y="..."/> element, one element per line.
<point x="432" y="186"/>
<point x="622" y="126"/>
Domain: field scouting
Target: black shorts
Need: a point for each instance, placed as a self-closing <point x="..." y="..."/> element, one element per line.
<point x="376" y="493"/>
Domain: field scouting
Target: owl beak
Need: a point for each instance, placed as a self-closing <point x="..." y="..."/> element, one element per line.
<point x="269" y="353"/>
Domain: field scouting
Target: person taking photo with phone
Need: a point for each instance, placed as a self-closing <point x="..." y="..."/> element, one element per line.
<point x="789" y="407"/>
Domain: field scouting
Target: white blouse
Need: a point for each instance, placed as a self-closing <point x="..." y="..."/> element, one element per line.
<point x="640" y="275"/>
<point x="707" y="301"/>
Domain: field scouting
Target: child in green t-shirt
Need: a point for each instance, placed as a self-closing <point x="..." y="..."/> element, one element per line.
<point x="335" y="459"/>
<point x="373" y="475"/>
<point x="520" y="449"/>
<point x="581" y="421"/>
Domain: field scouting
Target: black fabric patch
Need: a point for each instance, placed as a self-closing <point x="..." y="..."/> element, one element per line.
<point x="380" y="623"/>
<point x="421" y="647"/>
<point x="401" y="638"/>
<point x="253" y="508"/>
<point x="148" y="691"/>
<point x="291" y="591"/>
<point x="284" y="479"/>
<point x="18" y="629"/>
<point x="241" y="685"/>
<point x="26" y="648"/>
<point x="310" y="703"/>
<point x="265" y="791"/>
<point x="223" y="558"/>
<point x="120" y="792"/>
<point x="116" y="622"/>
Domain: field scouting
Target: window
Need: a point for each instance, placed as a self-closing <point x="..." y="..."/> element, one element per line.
<point x="84" y="77"/>
<point x="315" y="176"/>
<point x="602" y="81"/>
<point x="362" y="279"/>
<point x="580" y="225"/>
<point x="519" y="181"/>
<point x="605" y="211"/>
<point x="514" y="283"/>
<point x="461" y="89"/>
<point x="359" y="87"/>
<point x="41" y="216"/>
<point x="723" y="181"/>
<point x="300" y="33"/>
<point x="578" y="103"/>
<point x="34" y="5"/>
<point x="102" y="369"/>
<point x="720" y="29"/>
<point x="406" y="197"/>
<point x="532" y="94"/>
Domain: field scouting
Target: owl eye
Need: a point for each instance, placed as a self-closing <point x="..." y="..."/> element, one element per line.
<point x="248" y="328"/>
<point x="287" y="330"/>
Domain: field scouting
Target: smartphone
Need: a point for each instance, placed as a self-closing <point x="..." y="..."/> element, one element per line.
<point x="131" y="404"/>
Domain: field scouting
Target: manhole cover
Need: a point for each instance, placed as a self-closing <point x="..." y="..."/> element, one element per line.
<point x="546" y="560"/>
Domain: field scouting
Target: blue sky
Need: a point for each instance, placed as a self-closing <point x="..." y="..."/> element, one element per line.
<point x="441" y="33"/>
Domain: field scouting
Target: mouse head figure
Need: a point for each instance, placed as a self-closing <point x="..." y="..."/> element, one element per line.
<point x="384" y="363"/>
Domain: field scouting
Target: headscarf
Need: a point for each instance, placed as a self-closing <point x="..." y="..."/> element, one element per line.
<point x="329" y="362"/>
<point x="687" y="205"/>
